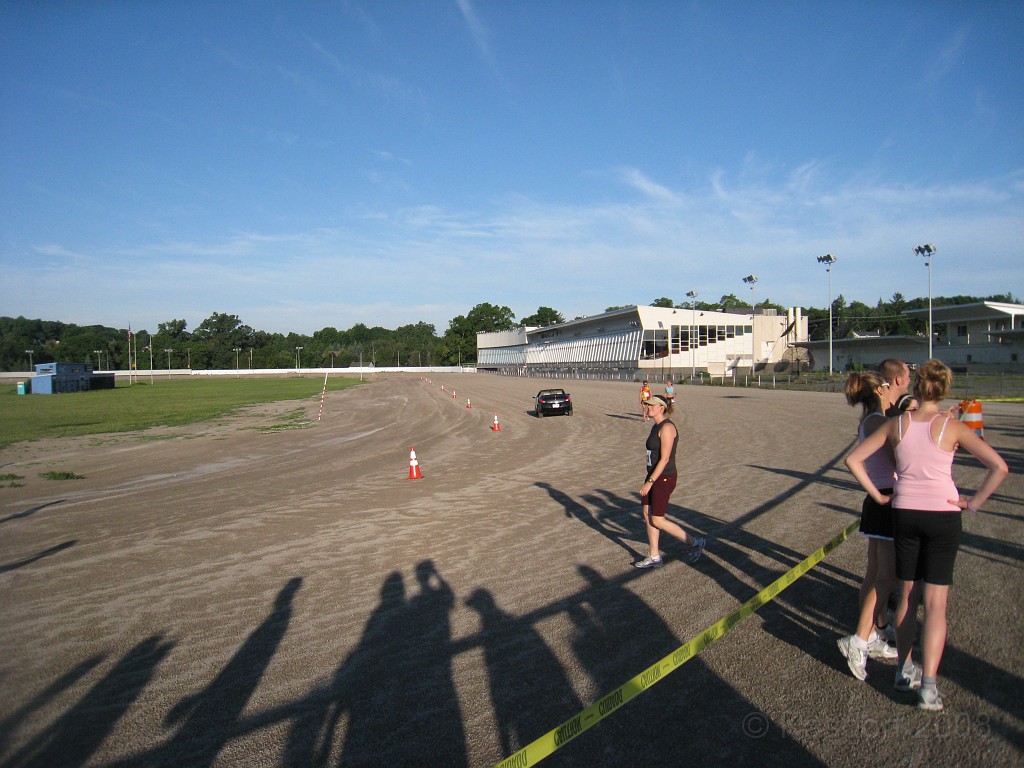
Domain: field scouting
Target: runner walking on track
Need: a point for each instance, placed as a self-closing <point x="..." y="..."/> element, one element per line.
<point x="660" y="482"/>
<point x="645" y="398"/>
<point x="927" y="520"/>
<point x="869" y="390"/>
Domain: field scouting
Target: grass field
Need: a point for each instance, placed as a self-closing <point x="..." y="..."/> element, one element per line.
<point x="143" y="405"/>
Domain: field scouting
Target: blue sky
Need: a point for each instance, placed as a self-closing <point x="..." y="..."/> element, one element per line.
<point x="304" y="165"/>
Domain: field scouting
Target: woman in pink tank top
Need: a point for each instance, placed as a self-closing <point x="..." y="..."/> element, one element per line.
<point x="927" y="518"/>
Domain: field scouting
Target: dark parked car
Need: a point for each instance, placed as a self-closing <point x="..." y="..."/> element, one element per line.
<point x="550" y="401"/>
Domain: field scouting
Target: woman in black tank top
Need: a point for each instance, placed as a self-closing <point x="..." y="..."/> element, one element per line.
<point x="661" y="481"/>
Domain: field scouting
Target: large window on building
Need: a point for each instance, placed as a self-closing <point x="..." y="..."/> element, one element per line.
<point x="655" y="344"/>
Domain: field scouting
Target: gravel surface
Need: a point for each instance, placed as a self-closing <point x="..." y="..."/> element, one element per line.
<point x="261" y="590"/>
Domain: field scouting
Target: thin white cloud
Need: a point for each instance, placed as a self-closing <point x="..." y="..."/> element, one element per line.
<point x="949" y="55"/>
<point x="477" y="30"/>
<point x="390" y="157"/>
<point x="387" y="87"/>
<point x="639" y="181"/>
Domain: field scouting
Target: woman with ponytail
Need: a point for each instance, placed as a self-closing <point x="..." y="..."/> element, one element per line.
<point x="869" y="390"/>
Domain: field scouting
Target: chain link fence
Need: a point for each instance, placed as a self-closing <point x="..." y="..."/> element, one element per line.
<point x="967" y="385"/>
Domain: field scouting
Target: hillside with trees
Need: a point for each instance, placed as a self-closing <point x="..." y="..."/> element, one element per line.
<point x="223" y="341"/>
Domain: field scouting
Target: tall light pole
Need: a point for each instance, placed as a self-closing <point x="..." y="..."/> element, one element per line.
<point x="692" y="296"/>
<point x="168" y="351"/>
<point x="928" y="251"/>
<point x="30" y="352"/>
<point x="828" y="260"/>
<point x="236" y="350"/>
<point x="298" y="358"/>
<point x="751" y="280"/>
<point x="98" y="365"/>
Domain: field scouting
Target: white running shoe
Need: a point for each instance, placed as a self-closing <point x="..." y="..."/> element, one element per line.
<point x="856" y="659"/>
<point x="879" y="649"/>
<point x="929" y="699"/>
<point x="649" y="562"/>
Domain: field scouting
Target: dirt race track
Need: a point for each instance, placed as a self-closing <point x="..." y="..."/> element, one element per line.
<point x="227" y="595"/>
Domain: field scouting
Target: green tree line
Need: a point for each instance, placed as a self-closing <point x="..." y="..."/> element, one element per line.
<point x="223" y="341"/>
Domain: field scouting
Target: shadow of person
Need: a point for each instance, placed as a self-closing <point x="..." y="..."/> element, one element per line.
<point x="76" y="734"/>
<point x="11" y="723"/>
<point x="38" y="556"/>
<point x="209" y="717"/>
<point x="361" y="689"/>
<point x="432" y="728"/>
<point x="29" y="512"/>
<point x="401" y="698"/>
<point x="619" y="635"/>
<point x="607" y="519"/>
<point x="691" y="716"/>
<point x="530" y="692"/>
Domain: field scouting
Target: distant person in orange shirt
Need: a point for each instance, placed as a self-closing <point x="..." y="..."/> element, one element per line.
<point x="645" y="396"/>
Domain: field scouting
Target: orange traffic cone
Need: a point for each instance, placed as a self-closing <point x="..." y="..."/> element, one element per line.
<point x="453" y="394"/>
<point x="497" y="426"/>
<point x="970" y="414"/>
<point x="468" y="403"/>
<point x="414" y="466"/>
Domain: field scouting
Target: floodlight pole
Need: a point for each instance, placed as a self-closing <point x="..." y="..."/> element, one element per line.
<point x="752" y="281"/>
<point x="30" y="352"/>
<point x="236" y="350"/>
<point x="828" y="260"/>
<point x="692" y="296"/>
<point x="98" y="364"/>
<point x="928" y="251"/>
<point x="298" y="358"/>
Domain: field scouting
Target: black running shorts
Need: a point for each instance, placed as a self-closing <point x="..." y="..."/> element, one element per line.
<point x="926" y="545"/>
<point x="875" y="518"/>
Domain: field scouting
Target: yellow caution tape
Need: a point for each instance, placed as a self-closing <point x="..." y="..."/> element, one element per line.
<point x="555" y="739"/>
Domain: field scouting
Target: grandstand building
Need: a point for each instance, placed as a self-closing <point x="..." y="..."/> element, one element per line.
<point x="660" y="342"/>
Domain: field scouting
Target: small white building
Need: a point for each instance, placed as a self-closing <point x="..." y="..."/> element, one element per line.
<point x="651" y="341"/>
<point x="985" y="334"/>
